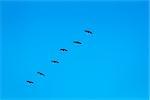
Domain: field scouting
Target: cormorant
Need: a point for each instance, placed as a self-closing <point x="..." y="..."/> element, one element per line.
<point x="62" y="49"/>
<point x="40" y="73"/>
<point x="31" y="82"/>
<point x="54" y="61"/>
<point x="77" y="42"/>
<point x="87" y="31"/>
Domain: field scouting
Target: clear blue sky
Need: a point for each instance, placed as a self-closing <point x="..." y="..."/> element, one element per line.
<point x="112" y="63"/>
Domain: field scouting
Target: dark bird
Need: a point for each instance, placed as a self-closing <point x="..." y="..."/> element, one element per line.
<point x="77" y="42"/>
<point x="31" y="82"/>
<point x="62" y="49"/>
<point x="40" y="73"/>
<point x="54" y="61"/>
<point x="87" y="31"/>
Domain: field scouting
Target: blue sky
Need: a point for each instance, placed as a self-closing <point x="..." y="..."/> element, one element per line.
<point x="111" y="63"/>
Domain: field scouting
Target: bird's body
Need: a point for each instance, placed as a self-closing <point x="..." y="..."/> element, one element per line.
<point x="31" y="82"/>
<point x="54" y="61"/>
<point x="40" y="73"/>
<point x="87" y="31"/>
<point x="77" y="42"/>
<point x="62" y="49"/>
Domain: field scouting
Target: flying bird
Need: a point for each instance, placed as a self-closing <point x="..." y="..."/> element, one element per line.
<point x="31" y="82"/>
<point x="77" y="42"/>
<point x="62" y="49"/>
<point x="54" y="61"/>
<point x="40" y="73"/>
<point x="88" y="31"/>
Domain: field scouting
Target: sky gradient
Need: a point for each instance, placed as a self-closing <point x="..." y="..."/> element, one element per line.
<point x="111" y="63"/>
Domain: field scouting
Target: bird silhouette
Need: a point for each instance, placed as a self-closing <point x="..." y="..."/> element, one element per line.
<point x="77" y="42"/>
<point x="88" y="31"/>
<point x="30" y="82"/>
<point x="62" y="49"/>
<point x="40" y="73"/>
<point x="54" y="61"/>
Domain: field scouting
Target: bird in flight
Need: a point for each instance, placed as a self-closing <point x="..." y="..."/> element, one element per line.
<point x="62" y="49"/>
<point x="88" y="31"/>
<point x="30" y="82"/>
<point x="54" y="61"/>
<point x="40" y="73"/>
<point x="77" y="42"/>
